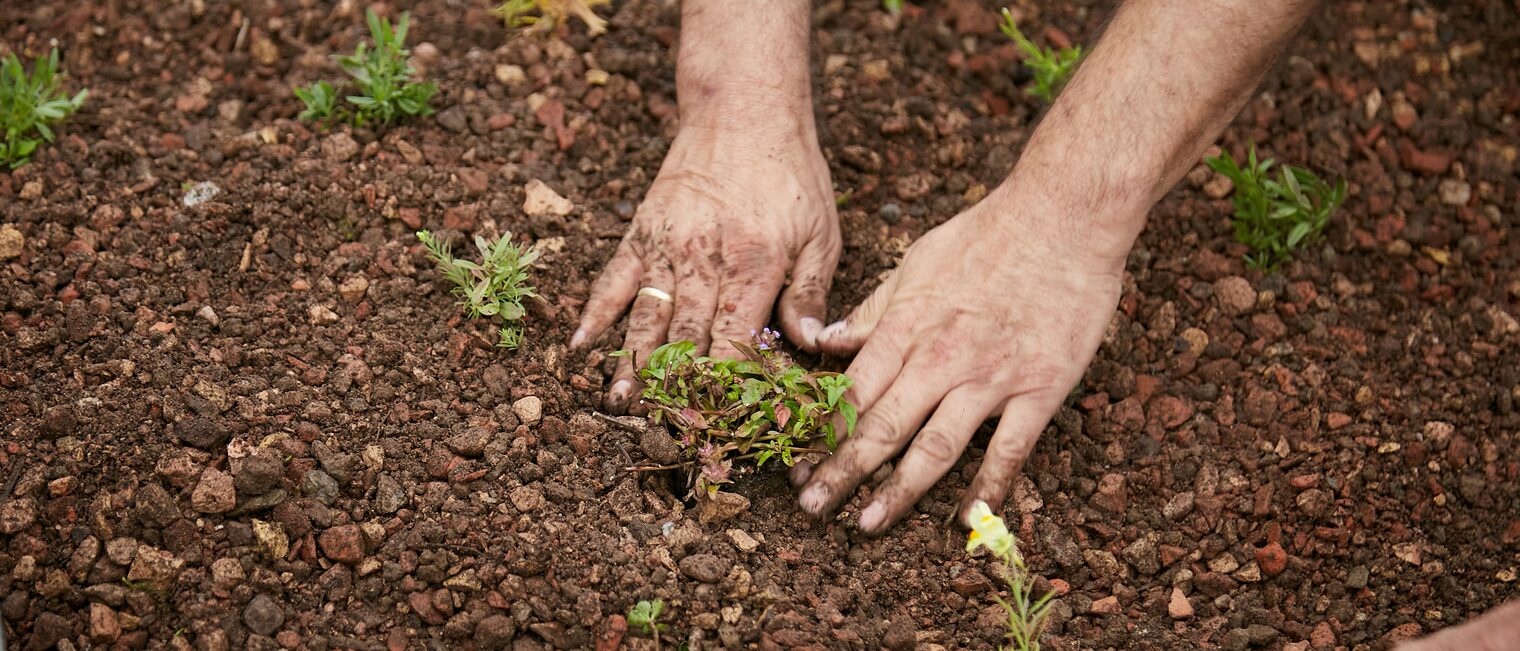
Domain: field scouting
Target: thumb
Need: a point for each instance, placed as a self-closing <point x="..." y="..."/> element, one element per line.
<point x="847" y="336"/>
<point x="805" y="303"/>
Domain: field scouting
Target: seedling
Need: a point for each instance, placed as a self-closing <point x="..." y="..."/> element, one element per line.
<point x="31" y="105"/>
<point x="497" y="286"/>
<point x="543" y="15"/>
<point x="1026" y="613"/>
<point x="893" y="7"/>
<point x="1051" y="68"/>
<point x="645" y="615"/>
<point x="1275" y="217"/>
<point x="760" y="407"/>
<point x="381" y="74"/>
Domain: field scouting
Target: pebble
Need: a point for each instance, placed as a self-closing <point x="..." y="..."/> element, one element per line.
<point x="154" y="566"/>
<point x="17" y="515"/>
<point x="970" y="583"/>
<point x="453" y="119"/>
<point x="201" y="193"/>
<point x="353" y="288"/>
<point x="706" y="568"/>
<point x="271" y="539"/>
<point x="1179" y="506"/>
<point x="214" y="493"/>
<point x="11" y="243"/>
<point x="319" y="486"/>
<point x="226" y="574"/>
<point x="104" y="626"/>
<point x="258" y="474"/>
<point x="510" y="75"/>
<point x="721" y="506"/>
<point x="339" y="147"/>
<point x="1179" y="607"/>
<point x="741" y="539"/>
<point x="527" y="499"/>
<point x="1235" y="295"/>
<point x="529" y="410"/>
<point x="890" y="212"/>
<point x="121" y="551"/>
<point x="1106" y="606"/>
<point x="263" y="615"/>
<point x="541" y="199"/>
<point x="1102" y="563"/>
<point x="344" y="544"/>
<point x="469" y="443"/>
<point x="1272" y="559"/>
<point x="1112" y="495"/>
<point x="201" y="433"/>
<point x="495" y="632"/>
<point x="1143" y="556"/>
<point x="1455" y="192"/>
<point x="390" y="496"/>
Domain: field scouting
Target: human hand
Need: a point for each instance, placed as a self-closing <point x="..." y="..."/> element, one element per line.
<point x="996" y="312"/>
<point x="731" y="217"/>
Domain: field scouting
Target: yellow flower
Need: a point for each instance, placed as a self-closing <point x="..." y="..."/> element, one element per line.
<point x="988" y="530"/>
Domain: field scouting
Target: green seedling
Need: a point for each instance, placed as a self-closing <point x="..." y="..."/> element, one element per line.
<point x="543" y="15"/>
<point x="645" y="616"/>
<point x="382" y="76"/>
<point x="496" y="287"/>
<point x="1027" y="613"/>
<point x="31" y="105"/>
<point x="759" y="407"/>
<point x="1275" y="217"/>
<point x="893" y="7"/>
<point x="1052" y="68"/>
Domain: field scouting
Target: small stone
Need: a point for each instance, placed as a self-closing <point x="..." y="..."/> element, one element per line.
<point x="495" y="632"/>
<point x="453" y="119"/>
<point x="1102" y="562"/>
<point x="121" y="551"/>
<point x="11" y="243"/>
<point x="353" y="288"/>
<point x="720" y="506"/>
<point x="214" y="493"/>
<point x="527" y="499"/>
<point x="970" y="583"/>
<point x="339" y="147"/>
<point x="201" y="193"/>
<point x="1112" y="495"/>
<point x="344" y="544"/>
<point x="1248" y="573"/>
<point x="1143" y="556"/>
<point x="706" y="568"/>
<point x="1179" y="506"/>
<point x="226" y="574"/>
<point x="319" y="486"/>
<point x="510" y="75"/>
<point x="271" y="539"/>
<point x="1356" y="577"/>
<point x="155" y="506"/>
<point x="154" y="566"/>
<point x="1272" y="559"/>
<point x="1106" y="606"/>
<point x="104" y="626"/>
<point x="17" y="515"/>
<point x="745" y="542"/>
<point x="1224" y="564"/>
<point x="1455" y="192"/>
<point x="201" y="433"/>
<point x="321" y="314"/>
<point x="543" y="200"/>
<point x="659" y="445"/>
<point x="258" y="474"/>
<point x="469" y="443"/>
<point x="1235" y="295"/>
<point x="390" y="496"/>
<point x="1179" y="607"/>
<point x="263" y="615"/>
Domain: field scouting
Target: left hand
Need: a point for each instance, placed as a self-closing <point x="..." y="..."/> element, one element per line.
<point x="996" y="312"/>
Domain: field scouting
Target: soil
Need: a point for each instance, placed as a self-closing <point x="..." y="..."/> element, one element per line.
<point x="260" y="421"/>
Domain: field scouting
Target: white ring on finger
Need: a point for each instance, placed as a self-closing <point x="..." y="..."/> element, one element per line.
<point x="657" y="294"/>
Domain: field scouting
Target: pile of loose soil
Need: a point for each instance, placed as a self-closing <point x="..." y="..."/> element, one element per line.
<point x="260" y="422"/>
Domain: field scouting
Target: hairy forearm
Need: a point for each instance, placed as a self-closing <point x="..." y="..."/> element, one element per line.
<point x="1166" y="77"/>
<point x="744" y="63"/>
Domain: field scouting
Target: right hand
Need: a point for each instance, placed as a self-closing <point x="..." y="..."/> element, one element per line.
<point x="732" y="218"/>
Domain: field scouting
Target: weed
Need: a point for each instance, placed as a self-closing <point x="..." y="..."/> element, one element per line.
<point x="893" y="7"/>
<point x="543" y="15"/>
<point x="31" y="105"/>
<point x="1275" y="217"/>
<point x="1051" y="68"/>
<point x="495" y="287"/>
<point x="1026" y="613"/>
<point x="756" y="408"/>
<point x="645" y="615"/>
<point x="382" y="75"/>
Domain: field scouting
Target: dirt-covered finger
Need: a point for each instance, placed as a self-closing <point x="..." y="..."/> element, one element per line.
<point x="648" y="323"/>
<point x="933" y="452"/>
<point x="1024" y="418"/>
<point x="752" y="276"/>
<point x="805" y="301"/>
<point x="614" y="288"/>
<point x="847" y="336"/>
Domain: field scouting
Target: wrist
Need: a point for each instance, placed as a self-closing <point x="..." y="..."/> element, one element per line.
<point x="1046" y="217"/>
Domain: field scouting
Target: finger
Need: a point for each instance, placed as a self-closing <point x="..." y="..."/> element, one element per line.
<point x="1023" y="420"/>
<point x="801" y="472"/>
<point x="696" y="300"/>
<point x="1496" y="629"/>
<point x="805" y="303"/>
<point x="611" y="293"/>
<point x="647" y="325"/>
<point x="882" y="432"/>
<point x="935" y="449"/>
<point x="751" y="280"/>
<point x="875" y="368"/>
<point x="847" y="336"/>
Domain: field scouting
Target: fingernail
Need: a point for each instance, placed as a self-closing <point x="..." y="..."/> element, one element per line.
<point x="810" y="327"/>
<point x="813" y="498"/>
<point x="832" y="331"/>
<point x="578" y="339"/>
<point x="870" y="519"/>
<point x="801" y="472"/>
<point x="618" y="394"/>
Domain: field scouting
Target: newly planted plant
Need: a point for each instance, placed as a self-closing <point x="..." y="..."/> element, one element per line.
<point x="1051" y="68"/>
<point x="760" y="407"/>
<point x="1026" y="612"/>
<point x="31" y="105"/>
<point x="543" y="15"/>
<point x="1276" y="216"/>
<point x="382" y="75"/>
<point x="645" y="615"/>
<point x="497" y="286"/>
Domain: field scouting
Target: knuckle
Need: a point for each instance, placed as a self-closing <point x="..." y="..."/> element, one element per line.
<point x="937" y="448"/>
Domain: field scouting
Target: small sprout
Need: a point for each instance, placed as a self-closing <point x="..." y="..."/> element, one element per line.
<point x="645" y="616"/>
<point x="1051" y="68"/>
<point x="382" y="75"/>
<point x="893" y="7"/>
<point x="31" y="105"/>
<point x="495" y="287"/>
<point x="1275" y="217"/>
<point x="844" y="197"/>
<point x="1026" y="614"/>
<point x="543" y="15"/>
<point x="756" y="408"/>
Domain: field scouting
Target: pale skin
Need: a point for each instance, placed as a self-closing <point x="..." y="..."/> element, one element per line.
<point x="994" y="314"/>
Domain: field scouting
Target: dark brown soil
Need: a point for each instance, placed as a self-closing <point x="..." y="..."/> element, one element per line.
<point x="1323" y="457"/>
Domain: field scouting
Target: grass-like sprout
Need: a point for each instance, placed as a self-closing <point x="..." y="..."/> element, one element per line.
<point x="31" y="105"/>
<point x="1275" y="217"/>
<point x="497" y="286"/>
<point x="1027" y="613"/>
<point x="1052" y="68"/>
<point x="382" y="75"/>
